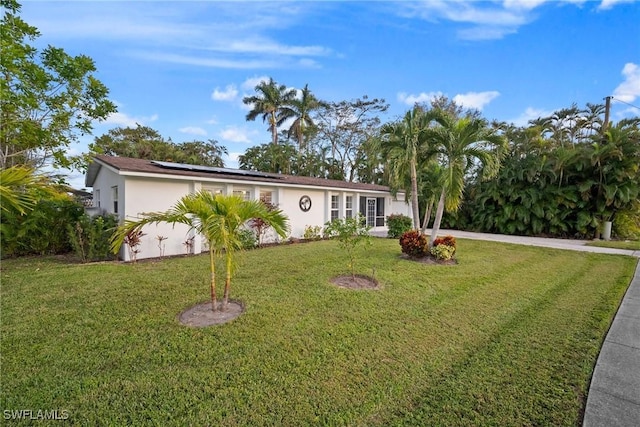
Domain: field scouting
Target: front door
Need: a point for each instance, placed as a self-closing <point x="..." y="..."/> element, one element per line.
<point x="371" y="212"/>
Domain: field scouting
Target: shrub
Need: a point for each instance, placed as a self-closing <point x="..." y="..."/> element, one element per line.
<point x="90" y="237"/>
<point x="248" y="238"/>
<point x="350" y="233"/>
<point x="260" y="226"/>
<point x="626" y="224"/>
<point x="444" y="248"/>
<point x="446" y="240"/>
<point x="43" y="230"/>
<point x="443" y="252"/>
<point x="312" y="232"/>
<point x="133" y="239"/>
<point x="414" y="243"/>
<point x="398" y="225"/>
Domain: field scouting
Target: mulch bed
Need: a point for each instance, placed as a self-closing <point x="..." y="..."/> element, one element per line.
<point x="201" y="315"/>
<point x="358" y="282"/>
<point x="429" y="260"/>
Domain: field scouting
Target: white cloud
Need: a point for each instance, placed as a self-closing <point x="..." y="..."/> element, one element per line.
<point x="608" y="4"/>
<point x="530" y="114"/>
<point x="199" y="60"/>
<point x="411" y="99"/>
<point x="233" y="160"/>
<point x="252" y="82"/>
<point x="476" y="100"/>
<point x="124" y="120"/>
<point x="213" y="121"/>
<point x="236" y="134"/>
<point x="229" y="94"/>
<point x="193" y="130"/>
<point x="629" y="89"/>
<point x="485" y="20"/>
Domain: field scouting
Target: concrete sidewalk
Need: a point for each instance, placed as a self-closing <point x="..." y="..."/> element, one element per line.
<point x="574" y="245"/>
<point x="614" y="394"/>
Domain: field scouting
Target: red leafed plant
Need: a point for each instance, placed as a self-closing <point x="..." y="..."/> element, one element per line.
<point x="446" y="240"/>
<point x="414" y="244"/>
<point x="444" y="248"/>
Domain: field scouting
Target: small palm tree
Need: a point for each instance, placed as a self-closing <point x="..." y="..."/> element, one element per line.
<point x="460" y="144"/>
<point x="219" y="219"/>
<point x="403" y="147"/>
<point x="271" y="102"/>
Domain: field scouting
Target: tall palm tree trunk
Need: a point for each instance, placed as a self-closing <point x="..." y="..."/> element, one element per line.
<point x="214" y="301"/>
<point x="438" y="219"/>
<point x="274" y="128"/>
<point x="427" y="217"/>
<point x="414" y="195"/>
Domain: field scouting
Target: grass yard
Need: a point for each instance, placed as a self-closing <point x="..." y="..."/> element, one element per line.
<point x="633" y="245"/>
<point x="507" y="337"/>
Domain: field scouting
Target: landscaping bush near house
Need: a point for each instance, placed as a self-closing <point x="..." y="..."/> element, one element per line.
<point x="414" y="243"/>
<point x="312" y="232"/>
<point x="248" y="238"/>
<point x="91" y="237"/>
<point x="397" y="225"/>
<point x="42" y="231"/>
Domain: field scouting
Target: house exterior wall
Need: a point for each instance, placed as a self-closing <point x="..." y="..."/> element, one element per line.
<point x="137" y="194"/>
<point x="144" y="195"/>
<point x="298" y="220"/>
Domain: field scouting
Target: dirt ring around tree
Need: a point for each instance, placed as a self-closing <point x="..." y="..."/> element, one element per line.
<point x="359" y="282"/>
<point x="201" y="315"/>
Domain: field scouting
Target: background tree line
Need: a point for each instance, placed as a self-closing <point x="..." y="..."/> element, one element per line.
<point x="560" y="175"/>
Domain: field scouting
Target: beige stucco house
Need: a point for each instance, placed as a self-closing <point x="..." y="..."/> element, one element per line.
<point x="128" y="187"/>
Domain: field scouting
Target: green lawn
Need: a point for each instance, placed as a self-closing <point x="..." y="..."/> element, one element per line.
<point x="509" y="336"/>
<point x="633" y="245"/>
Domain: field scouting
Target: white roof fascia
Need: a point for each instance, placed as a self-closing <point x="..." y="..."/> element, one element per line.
<point x="244" y="182"/>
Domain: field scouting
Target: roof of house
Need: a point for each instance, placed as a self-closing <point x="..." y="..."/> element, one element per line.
<point x="168" y="169"/>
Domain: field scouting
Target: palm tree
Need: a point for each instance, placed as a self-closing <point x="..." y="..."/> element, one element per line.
<point x="403" y="144"/>
<point x="458" y="144"/>
<point x="219" y="220"/>
<point x="271" y="102"/>
<point x="301" y="107"/>
<point x="15" y="183"/>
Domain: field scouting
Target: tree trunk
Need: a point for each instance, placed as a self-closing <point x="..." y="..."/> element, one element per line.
<point x="274" y="129"/>
<point x="214" y="301"/>
<point x="427" y="217"/>
<point x="414" y="195"/>
<point x="227" y="283"/>
<point x="436" y="221"/>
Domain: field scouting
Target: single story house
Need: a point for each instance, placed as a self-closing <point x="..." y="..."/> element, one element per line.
<point x="129" y="187"/>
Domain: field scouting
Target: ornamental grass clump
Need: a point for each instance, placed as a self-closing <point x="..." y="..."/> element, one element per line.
<point x="415" y="244"/>
<point x="444" y="248"/>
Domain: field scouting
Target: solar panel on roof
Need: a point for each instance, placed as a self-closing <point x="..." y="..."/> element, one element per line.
<point x="211" y="169"/>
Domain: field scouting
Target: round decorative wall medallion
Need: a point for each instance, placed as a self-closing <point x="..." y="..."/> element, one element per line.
<point x="305" y="203"/>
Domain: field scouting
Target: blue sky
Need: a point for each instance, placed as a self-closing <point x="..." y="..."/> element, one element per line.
<point x="183" y="67"/>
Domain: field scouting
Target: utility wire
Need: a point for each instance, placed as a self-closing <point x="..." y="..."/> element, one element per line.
<point x="631" y="105"/>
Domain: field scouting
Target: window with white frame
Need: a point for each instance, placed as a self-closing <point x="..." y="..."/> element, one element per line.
<point x="335" y="207"/>
<point x="96" y="198"/>
<point x="215" y="190"/>
<point x="243" y="193"/>
<point x="114" y="198"/>
<point x="348" y="205"/>
<point x="266" y="196"/>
